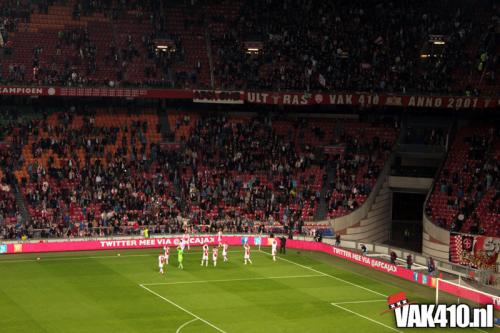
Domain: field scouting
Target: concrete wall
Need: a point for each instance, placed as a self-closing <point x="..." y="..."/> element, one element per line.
<point x="413" y="183"/>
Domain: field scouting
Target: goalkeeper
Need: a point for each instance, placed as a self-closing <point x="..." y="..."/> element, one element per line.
<point x="180" y="256"/>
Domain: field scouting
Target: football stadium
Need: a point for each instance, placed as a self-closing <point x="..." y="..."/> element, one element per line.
<point x="277" y="166"/>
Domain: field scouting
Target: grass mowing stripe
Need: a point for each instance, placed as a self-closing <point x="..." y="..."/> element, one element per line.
<point x="325" y="274"/>
<point x="185" y="324"/>
<point x="97" y="257"/>
<point x="181" y="308"/>
<point x="367" y="318"/>
<point x="230" y="280"/>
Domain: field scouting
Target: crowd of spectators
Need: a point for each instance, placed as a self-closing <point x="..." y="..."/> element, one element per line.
<point x="304" y="45"/>
<point x="433" y="136"/>
<point x="364" y="151"/>
<point x="467" y="194"/>
<point x="345" y="45"/>
<point x="77" y="56"/>
<point x="81" y="178"/>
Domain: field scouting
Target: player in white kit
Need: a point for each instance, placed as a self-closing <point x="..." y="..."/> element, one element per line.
<point x="205" y="255"/>
<point x="166" y="249"/>
<point x="161" y="262"/>
<point x="219" y="237"/>
<point x="274" y="245"/>
<point x="247" y="254"/>
<point x="186" y="239"/>
<point x="182" y="244"/>
<point x="215" y="254"/>
<point x="225" y="248"/>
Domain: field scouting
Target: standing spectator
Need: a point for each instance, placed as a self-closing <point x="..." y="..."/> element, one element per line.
<point x="431" y="266"/>
<point x="337" y="240"/>
<point x="394" y="257"/>
<point x="364" y="249"/>
<point x="406" y="235"/>
<point x="409" y="261"/>
<point x="283" y="244"/>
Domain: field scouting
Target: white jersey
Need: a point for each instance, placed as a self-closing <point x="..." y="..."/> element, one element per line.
<point x="247" y="252"/>
<point x="219" y="236"/>
<point x="274" y="246"/>
<point x="215" y="254"/>
<point x="183" y="244"/>
<point x="224" y="249"/>
<point x="167" y="251"/>
<point x="205" y="252"/>
<point x="161" y="261"/>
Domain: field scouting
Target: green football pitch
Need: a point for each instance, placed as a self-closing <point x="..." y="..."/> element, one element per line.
<point x="103" y="292"/>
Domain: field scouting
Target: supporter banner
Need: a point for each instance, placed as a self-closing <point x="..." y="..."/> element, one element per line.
<point x="96" y="92"/>
<point x="365" y="99"/>
<point x="334" y="150"/>
<point x="276" y="98"/>
<point x="218" y="97"/>
<point x="474" y="251"/>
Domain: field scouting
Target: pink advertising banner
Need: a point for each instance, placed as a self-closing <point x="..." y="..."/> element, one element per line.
<point x="111" y="244"/>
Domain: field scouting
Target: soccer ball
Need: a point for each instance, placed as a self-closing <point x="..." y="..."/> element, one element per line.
<point x="118" y="254"/>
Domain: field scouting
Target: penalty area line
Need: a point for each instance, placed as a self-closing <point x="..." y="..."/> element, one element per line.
<point x="365" y="317"/>
<point x="231" y="280"/>
<point x="181" y="308"/>
<point x="360" y="302"/>
<point x="185" y="324"/>
<point x="325" y="274"/>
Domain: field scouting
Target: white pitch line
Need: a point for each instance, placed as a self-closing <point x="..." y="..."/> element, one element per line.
<point x="94" y="257"/>
<point x="480" y="330"/>
<point x="181" y="308"/>
<point x="367" y="318"/>
<point x="185" y="324"/>
<point x="230" y="280"/>
<point x="359" y="302"/>
<point x="325" y="274"/>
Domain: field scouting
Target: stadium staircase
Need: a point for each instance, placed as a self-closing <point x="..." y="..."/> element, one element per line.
<point x="165" y="130"/>
<point x="21" y="204"/>
<point x="371" y="221"/>
<point x="322" y="210"/>
<point x="375" y="227"/>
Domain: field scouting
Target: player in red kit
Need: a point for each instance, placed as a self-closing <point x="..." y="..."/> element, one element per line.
<point x="215" y="254"/>
<point x="225" y="248"/>
<point x="166" y="249"/>
<point x="247" y="254"/>
<point x="205" y="255"/>
<point x="161" y="262"/>
<point x="219" y="237"/>
<point x="274" y="247"/>
<point x="186" y="239"/>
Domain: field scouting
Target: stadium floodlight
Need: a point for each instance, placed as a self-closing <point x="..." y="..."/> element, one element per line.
<point x="253" y="47"/>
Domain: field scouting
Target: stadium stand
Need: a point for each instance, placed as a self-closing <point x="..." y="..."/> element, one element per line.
<point x="466" y="197"/>
<point x="109" y="171"/>
<point x="416" y="47"/>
